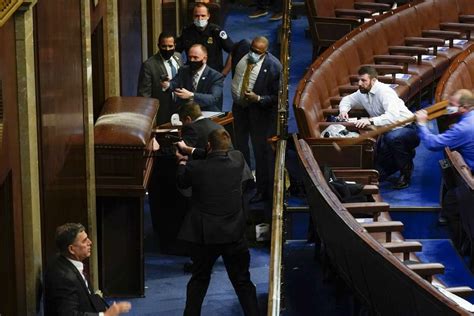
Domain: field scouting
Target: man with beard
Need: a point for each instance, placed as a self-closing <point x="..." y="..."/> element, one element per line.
<point x="197" y="82"/>
<point x="396" y="148"/>
<point x="161" y="66"/>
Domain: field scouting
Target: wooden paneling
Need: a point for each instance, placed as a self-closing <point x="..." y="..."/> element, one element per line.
<point x="98" y="13"/>
<point x="61" y="126"/>
<point x="130" y="43"/>
<point x="12" y="291"/>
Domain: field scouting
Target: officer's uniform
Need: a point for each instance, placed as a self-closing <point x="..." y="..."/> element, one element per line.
<point x="212" y="37"/>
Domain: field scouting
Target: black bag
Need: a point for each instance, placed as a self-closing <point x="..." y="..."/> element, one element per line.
<point x="346" y="192"/>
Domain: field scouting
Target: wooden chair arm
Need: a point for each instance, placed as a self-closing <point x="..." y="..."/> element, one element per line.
<point x="466" y="18"/>
<point x="347" y="89"/>
<point x="462" y="291"/>
<point x="424" y="41"/>
<point x="404" y="247"/>
<point x="386" y="227"/>
<point x="370" y="189"/>
<point x="369" y="208"/>
<point x="426" y="270"/>
<point x="352" y="12"/>
<point x="372" y="6"/>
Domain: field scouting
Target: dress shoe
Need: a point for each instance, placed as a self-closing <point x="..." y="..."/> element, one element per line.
<point x="258" y="13"/>
<point x="276" y="16"/>
<point x="188" y="267"/>
<point x="402" y="182"/>
<point x="442" y="220"/>
<point x="258" y="197"/>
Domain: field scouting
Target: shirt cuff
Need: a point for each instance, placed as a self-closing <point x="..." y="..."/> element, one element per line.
<point x="101" y="314"/>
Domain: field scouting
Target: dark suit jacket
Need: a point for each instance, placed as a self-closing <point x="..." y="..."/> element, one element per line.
<point x="268" y="79"/>
<point x="216" y="214"/>
<point x="149" y="85"/>
<point x="208" y="93"/>
<point x="196" y="133"/>
<point x="66" y="292"/>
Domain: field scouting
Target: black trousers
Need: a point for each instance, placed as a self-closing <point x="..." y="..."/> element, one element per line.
<point x="236" y="260"/>
<point x="258" y="124"/>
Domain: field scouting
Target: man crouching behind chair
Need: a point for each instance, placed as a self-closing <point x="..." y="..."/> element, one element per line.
<point x="67" y="290"/>
<point x="215" y="225"/>
<point x="396" y="148"/>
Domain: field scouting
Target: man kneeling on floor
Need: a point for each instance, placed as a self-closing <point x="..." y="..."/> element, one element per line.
<point x="215" y="226"/>
<point x="395" y="149"/>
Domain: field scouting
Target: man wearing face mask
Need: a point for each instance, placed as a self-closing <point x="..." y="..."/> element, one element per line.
<point x="161" y="66"/>
<point x="255" y="84"/>
<point x="207" y="34"/>
<point x="396" y="148"/>
<point x="198" y="82"/>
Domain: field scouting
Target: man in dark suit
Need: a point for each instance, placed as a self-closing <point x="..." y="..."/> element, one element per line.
<point x="67" y="290"/>
<point x="255" y="84"/>
<point x="215" y="225"/>
<point x="196" y="127"/>
<point x="161" y="66"/>
<point x="197" y="81"/>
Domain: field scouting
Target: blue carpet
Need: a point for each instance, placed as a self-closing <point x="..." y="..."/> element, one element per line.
<point x="456" y="272"/>
<point x="421" y="225"/>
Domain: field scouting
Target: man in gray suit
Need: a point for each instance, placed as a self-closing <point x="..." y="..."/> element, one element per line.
<point x="160" y="67"/>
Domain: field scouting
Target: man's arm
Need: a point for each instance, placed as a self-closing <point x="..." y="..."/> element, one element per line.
<point x="453" y="138"/>
<point x="145" y="82"/>
<point x="213" y="99"/>
<point x="189" y="135"/>
<point x="393" y="106"/>
<point x="271" y="98"/>
<point x="347" y="103"/>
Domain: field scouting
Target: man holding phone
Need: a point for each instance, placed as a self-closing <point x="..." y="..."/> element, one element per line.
<point x="162" y="66"/>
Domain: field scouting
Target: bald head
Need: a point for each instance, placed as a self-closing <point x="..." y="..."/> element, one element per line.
<point x="455" y="98"/>
<point x="259" y="44"/>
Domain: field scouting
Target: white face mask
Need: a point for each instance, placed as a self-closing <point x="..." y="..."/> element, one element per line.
<point x="452" y="109"/>
<point x="200" y="23"/>
<point x="253" y="57"/>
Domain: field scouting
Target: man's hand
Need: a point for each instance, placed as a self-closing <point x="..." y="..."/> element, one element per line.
<point x="165" y="84"/>
<point x="421" y="117"/>
<point x="180" y="157"/>
<point x="251" y="96"/>
<point x="185" y="149"/>
<point x="183" y="93"/>
<point x="156" y="145"/>
<point x="118" y="308"/>
<point x="363" y="122"/>
<point x="343" y="115"/>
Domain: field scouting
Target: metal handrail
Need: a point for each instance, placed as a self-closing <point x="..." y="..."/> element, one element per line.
<point x="276" y="250"/>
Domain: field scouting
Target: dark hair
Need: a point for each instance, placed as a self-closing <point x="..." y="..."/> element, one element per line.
<point x="219" y="139"/>
<point x="203" y="48"/>
<point x="201" y="5"/>
<point x="66" y="235"/>
<point x="165" y="34"/>
<point x="191" y="109"/>
<point x="369" y="71"/>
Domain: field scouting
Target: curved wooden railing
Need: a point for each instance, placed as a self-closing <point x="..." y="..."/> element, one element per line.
<point x="450" y="81"/>
<point x="7" y="8"/>
<point x="276" y="250"/>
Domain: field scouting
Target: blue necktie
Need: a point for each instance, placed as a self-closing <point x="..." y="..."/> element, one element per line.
<point x="173" y="69"/>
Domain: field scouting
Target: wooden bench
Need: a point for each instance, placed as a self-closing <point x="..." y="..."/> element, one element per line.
<point x="396" y="44"/>
<point x="383" y="282"/>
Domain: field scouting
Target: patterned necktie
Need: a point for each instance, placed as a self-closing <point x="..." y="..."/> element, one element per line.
<point x="173" y="68"/>
<point x="246" y="79"/>
<point x="195" y="81"/>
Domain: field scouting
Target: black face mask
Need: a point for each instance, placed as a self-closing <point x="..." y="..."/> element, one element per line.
<point x="166" y="54"/>
<point x="195" y="65"/>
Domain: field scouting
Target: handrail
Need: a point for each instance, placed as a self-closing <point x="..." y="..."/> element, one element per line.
<point x="276" y="250"/>
<point x="7" y="8"/>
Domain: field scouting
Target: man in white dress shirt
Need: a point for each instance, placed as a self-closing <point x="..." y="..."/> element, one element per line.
<point x="396" y="148"/>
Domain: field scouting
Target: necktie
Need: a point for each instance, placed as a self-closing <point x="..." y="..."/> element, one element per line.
<point x="173" y="68"/>
<point x="84" y="276"/>
<point x="195" y="81"/>
<point x="246" y="79"/>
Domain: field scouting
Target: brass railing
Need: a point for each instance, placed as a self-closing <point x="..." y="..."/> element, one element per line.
<point x="7" y="8"/>
<point x="276" y="251"/>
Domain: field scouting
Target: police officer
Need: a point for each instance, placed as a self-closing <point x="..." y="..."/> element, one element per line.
<point x="208" y="34"/>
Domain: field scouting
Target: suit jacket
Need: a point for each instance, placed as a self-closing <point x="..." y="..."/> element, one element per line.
<point x="149" y="85"/>
<point x="196" y="133"/>
<point x="268" y="79"/>
<point x="208" y="93"/>
<point x="216" y="214"/>
<point x="66" y="292"/>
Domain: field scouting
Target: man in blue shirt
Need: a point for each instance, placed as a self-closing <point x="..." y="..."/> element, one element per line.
<point x="459" y="137"/>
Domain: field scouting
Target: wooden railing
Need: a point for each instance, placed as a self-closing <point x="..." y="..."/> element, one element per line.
<point x="276" y="251"/>
<point x="7" y="8"/>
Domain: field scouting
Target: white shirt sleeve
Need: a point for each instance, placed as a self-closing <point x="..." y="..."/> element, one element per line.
<point x="394" y="107"/>
<point x="349" y="101"/>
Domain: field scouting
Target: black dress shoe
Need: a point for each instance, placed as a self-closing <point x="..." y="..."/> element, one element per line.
<point x="403" y="182"/>
<point x="258" y="197"/>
